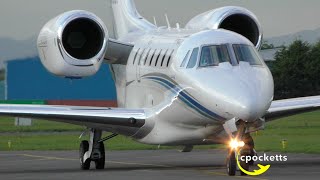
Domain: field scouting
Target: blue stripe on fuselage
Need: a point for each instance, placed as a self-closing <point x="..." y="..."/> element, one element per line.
<point x="186" y="98"/>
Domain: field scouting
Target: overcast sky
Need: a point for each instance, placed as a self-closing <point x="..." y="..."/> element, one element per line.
<point x="22" y="19"/>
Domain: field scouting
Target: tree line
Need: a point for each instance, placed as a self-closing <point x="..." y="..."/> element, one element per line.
<point x="296" y="70"/>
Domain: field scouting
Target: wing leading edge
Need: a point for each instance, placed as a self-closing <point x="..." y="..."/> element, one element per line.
<point x="135" y="118"/>
<point x="288" y="107"/>
<point x="86" y="116"/>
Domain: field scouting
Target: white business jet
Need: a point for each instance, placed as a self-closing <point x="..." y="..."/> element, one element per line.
<point x="201" y="84"/>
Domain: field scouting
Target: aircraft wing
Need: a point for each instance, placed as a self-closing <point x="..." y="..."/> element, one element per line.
<point x="86" y="116"/>
<point x="288" y="107"/>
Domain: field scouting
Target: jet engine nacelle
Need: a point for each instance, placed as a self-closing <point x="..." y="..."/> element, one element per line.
<point x="73" y="44"/>
<point x="236" y="19"/>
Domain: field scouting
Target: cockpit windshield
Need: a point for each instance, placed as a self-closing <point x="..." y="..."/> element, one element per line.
<point x="246" y="53"/>
<point x="213" y="55"/>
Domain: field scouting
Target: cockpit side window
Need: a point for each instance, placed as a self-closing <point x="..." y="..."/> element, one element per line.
<point x="193" y="58"/>
<point x="183" y="64"/>
<point x="246" y="53"/>
<point x="213" y="55"/>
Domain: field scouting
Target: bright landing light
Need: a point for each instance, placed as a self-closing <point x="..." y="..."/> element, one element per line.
<point x="234" y="143"/>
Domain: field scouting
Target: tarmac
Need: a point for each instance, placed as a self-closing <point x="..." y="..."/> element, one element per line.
<point x="146" y="164"/>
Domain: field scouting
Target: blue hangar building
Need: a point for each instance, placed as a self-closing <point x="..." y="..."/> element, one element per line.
<point x="27" y="79"/>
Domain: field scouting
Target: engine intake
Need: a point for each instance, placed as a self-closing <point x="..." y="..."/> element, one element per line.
<point x="236" y="19"/>
<point x="82" y="38"/>
<point x="73" y="44"/>
<point x="242" y="24"/>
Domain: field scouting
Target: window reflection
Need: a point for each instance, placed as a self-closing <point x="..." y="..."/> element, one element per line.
<point x="185" y="60"/>
<point x="213" y="55"/>
<point x="193" y="58"/>
<point x="246" y="53"/>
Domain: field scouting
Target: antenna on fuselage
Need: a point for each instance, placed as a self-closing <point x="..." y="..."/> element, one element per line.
<point x="155" y="21"/>
<point x="178" y="26"/>
<point x="168" y="23"/>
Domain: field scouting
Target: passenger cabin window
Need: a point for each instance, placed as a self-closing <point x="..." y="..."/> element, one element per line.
<point x="247" y="53"/>
<point x="158" y="57"/>
<point x="152" y="57"/>
<point x="146" y="58"/>
<point x="135" y="56"/>
<point x="213" y="55"/>
<point x="141" y="56"/>
<point x="193" y="58"/>
<point x="164" y="57"/>
<point x="169" y="59"/>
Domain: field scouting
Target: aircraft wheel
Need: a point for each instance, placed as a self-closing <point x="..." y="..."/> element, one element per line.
<point x="232" y="163"/>
<point x="84" y="147"/>
<point x="100" y="163"/>
<point x="243" y="164"/>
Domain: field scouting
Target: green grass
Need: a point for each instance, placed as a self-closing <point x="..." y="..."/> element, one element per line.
<point x="63" y="142"/>
<point x="71" y="142"/>
<point x="302" y="133"/>
<point x="7" y="125"/>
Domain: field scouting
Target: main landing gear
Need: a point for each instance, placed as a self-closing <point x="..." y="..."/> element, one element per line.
<point x="93" y="150"/>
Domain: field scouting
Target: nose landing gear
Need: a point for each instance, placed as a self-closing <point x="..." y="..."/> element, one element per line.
<point x="237" y="151"/>
<point x="231" y="163"/>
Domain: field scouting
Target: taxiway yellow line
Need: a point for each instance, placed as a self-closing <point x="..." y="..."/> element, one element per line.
<point x="142" y="164"/>
<point x="223" y="174"/>
<point x="48" y="157"/>
<point x="115" y="162"/>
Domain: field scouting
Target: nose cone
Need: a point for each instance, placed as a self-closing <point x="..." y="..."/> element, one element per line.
<point x="249" y="97"/>
<point x="247" y="105"/>
<point x="241" y="93"/>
